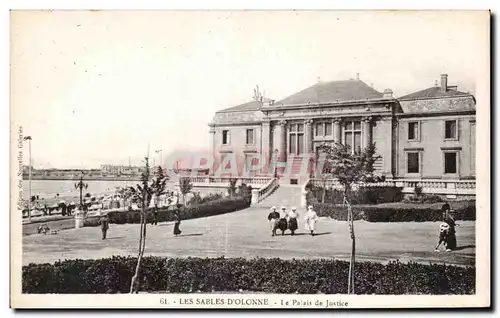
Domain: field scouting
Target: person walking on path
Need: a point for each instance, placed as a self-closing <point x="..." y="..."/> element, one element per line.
<point x="155" y="216"/>
<point x="311" y="218"/>
<point x="273" y="218"/>
<point x="451" y="242"/>
<point x="283" y="223"/>
<point x="104" y="222"/>
<point x="177" y="221"/>
<point x="293" y="225"/>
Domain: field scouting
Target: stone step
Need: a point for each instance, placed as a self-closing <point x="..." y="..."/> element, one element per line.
<point x="288" y="196"/>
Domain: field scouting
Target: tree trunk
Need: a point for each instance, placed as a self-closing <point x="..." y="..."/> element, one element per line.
<point x="133" y="283"/>
<point x="323" y="195"/>
<point x="350" y="220"/>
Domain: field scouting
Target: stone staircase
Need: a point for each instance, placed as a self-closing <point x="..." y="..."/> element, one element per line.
<point x="284" y="195"/>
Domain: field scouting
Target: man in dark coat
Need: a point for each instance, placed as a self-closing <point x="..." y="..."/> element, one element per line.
<point x="155" y="216"/>
<point x="273" y="218"/>
<point x="104" y="222"/>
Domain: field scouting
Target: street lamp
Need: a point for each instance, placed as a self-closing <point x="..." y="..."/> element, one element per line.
<point x="81" y="185"/>
<point x="28" y="138"/>
<point x="160" y="151"/>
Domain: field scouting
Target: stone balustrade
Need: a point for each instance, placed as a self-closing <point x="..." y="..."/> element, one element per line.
<point x="211" y="181"/>
<point x="429" y="186"/>
<point x="260" y="194"/>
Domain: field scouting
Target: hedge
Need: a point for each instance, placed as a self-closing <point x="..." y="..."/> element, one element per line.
<point x="392" y="214"/>
<point x="363" y="195"/>
<point x="190" y="275"/>
<point x="216" y="207"/>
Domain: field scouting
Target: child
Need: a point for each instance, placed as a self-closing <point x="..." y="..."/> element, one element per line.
<point x="444" y="231"/>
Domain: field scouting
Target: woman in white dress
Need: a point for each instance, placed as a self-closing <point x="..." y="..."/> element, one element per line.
<point x="311" y="217"/>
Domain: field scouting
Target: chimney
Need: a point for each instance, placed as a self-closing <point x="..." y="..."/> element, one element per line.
<point x="387" y="93"/>
<point x="444" y="82"/>
<point x="357" y="76"/>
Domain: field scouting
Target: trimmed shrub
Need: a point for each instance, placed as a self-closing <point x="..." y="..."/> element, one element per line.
<point x="198" y="199"/>
<point x="190" y="275"/>
<point x="392" y="214"/>
<point x="363" y="195"/>
<point x="215" y="207"/>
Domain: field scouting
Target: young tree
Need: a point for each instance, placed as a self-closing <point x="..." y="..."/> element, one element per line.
<point x="144" y="192"/>
<point x="159" y="184"/>
<point x="350" y="168"/>
<point x="185" y="187"/>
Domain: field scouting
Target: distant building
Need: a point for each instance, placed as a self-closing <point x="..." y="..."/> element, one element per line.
<point x="429" y="134"/>
<point x="120" y="170"/>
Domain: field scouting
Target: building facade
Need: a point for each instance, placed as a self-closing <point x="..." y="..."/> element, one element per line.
<point x="429" y="134"/>
<point x="120" y="170"/>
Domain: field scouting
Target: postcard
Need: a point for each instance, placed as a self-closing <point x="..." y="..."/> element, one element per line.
<point x="250" y="159"/>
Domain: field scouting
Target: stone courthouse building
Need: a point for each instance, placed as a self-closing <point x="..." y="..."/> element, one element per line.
<point x="429" y="134"/>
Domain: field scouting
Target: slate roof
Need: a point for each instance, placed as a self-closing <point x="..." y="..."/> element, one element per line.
<point x="253" y="105"/>
<point x="350" y="90"/>
<point x="433" y="92"/>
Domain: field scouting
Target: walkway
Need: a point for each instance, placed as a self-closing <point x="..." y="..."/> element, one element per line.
<point x="245" y="234"/>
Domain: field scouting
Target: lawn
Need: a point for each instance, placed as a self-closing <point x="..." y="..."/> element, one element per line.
<point x="246" y="234"/>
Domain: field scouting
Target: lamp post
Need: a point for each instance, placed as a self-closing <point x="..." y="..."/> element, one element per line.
<point x="81" y="185"/>
<point x="28" y="138"/>
<point x="160" y="151"/>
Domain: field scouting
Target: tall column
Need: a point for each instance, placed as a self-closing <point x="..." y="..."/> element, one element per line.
<point x="309" y="135"/>
<point x="367" y="131"/>
<point x="337" y="130"/>
<point x="212" y="149"/>
<point x="266" y="144"/>
<point x="282" y="143"/>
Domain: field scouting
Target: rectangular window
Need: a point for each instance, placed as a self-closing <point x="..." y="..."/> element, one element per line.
<point x="413" y="164"/>
<point x="296" y="139"/>
<point x="249" y="138"/>
<point x="328" y="129"/>
<point x="319" y="129"/>
<point x="352" y="135"/>
<point x="357" y="141"/>
<point x="300" y="143"/>
<point x="348" y="139"/>
<point x="450" y="129"/>
<point x="413" y="131"/>
<point x="225" y="137"/>
<point x="293" y="143"/>
<point x="450" y="162"/>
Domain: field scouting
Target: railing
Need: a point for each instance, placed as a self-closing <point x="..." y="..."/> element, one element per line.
<point x="260" y="194"/>
<point x="256" y="182"/>
<point x="431" y="186"/>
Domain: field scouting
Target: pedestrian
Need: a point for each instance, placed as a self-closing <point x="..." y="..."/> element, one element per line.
<point x="448" y="216"/>
<point x="177" y="221"/>
<point x="155" y="216"/>
<point x="311" y="218"/>
<point x="293" y="225"/>
<point x="104" y="221"/>
<point x="444" y="232"/>
<point x="283" y="223"/>
<point x="273" y="218"/>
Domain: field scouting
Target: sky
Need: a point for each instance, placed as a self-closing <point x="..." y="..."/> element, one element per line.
<point x="98" y="87"/>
